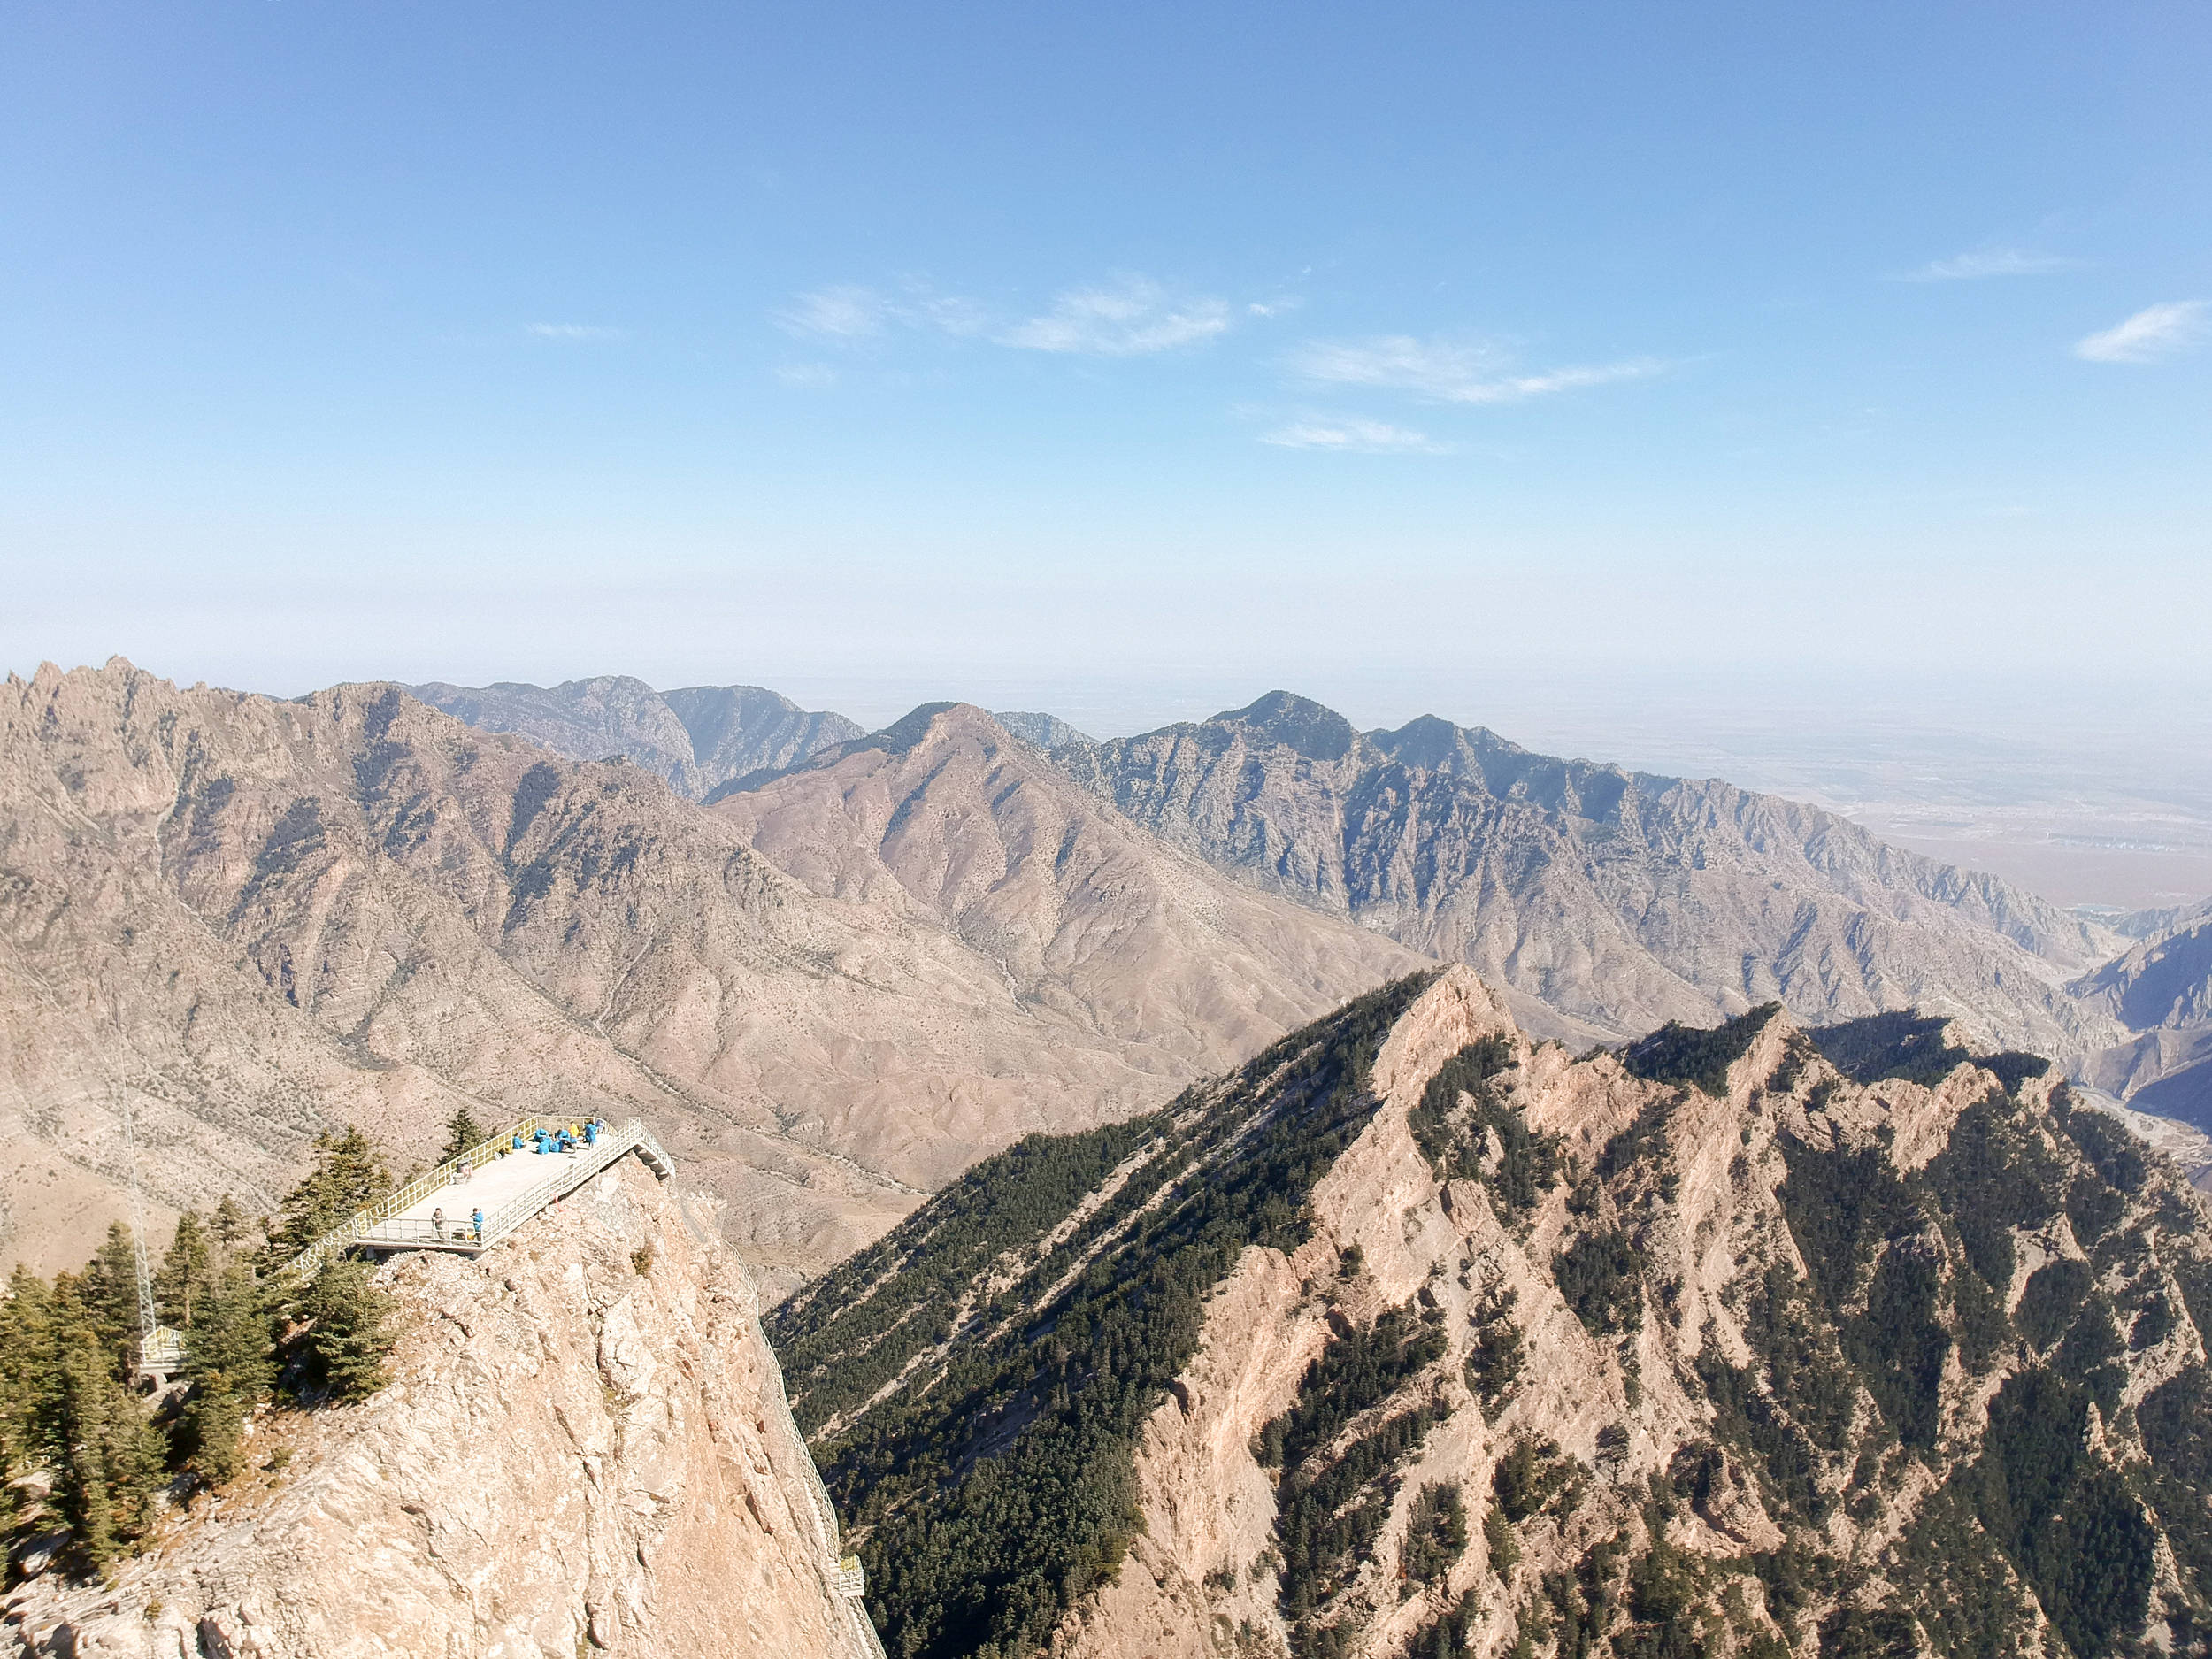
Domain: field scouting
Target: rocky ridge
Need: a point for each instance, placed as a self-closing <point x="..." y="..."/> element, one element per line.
<point x="1622" y="898"/>
<point x="585" y="1448"/>
<point x="1418" y="1337"/>
<point x="698" y="739"/>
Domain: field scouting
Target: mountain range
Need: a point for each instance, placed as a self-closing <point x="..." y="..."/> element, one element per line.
<point x="1620" y="898"/>
<point x="229" y="922"/>
<point x="836" y="967"/>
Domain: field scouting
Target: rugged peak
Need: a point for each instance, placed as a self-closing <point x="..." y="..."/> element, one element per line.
<point x="605" y="686"/>
<point x="1415" y="1338"/>
<point x="1296" y="723"/>
<point x="1427" y="741"/>
<point x="931" y="722"/>
<point x="1046" y="731"/>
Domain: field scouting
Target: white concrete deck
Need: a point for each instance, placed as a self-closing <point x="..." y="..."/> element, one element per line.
<point x="490" y="1189"/>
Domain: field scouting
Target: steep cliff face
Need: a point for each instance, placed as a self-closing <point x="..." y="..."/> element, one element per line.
<point x="1619" y="897"/>
<point x="2162" y="989"/>
<point x="1415" y="1337"/>
<point x="584" y="1449"/>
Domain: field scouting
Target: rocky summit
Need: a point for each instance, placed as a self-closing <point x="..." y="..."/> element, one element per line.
<point x="1416" y="1337"/>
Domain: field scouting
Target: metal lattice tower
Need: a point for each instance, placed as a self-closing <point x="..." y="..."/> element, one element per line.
<point x="149" y="1321"/>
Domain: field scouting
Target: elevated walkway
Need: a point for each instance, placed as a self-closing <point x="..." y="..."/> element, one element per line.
<point x="441" y="1210"/>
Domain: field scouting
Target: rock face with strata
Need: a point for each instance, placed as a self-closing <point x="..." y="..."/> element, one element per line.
<point x="584" y="1448"/>
<point x="1706" y="1346"/>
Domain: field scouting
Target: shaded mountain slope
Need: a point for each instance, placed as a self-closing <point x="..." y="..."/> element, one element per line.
<point x="2162" y="989"/>
<point x="2164" y="981"/>
<point x="598" y="718"/>
<point x="1623" y="898"/>
<point x="698" y="739"/>
<point x="736" y="730"/>
<point x="246" y="920"/>
<point x="1414" y="1337"/>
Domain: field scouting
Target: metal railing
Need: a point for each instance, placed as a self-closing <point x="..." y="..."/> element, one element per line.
<point x="433" y="1180"/>
<point x="576" y="1168"/>
<point x="381" y="1224"/>
<point x="161" y="1352"/>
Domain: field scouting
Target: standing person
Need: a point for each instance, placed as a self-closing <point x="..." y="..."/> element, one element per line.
<point x="476" y="1220"/>
<point x="437" y="1223"/>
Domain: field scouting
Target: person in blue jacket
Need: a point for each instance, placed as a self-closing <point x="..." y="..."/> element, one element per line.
<point x="591" y="1132"/>
<point x="476" y="1220"/>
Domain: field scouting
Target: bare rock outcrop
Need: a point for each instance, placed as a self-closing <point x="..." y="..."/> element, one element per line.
<point x="584" y="1449"/>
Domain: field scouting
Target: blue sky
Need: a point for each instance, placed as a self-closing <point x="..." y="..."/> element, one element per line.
<point x="1426" y="356"/>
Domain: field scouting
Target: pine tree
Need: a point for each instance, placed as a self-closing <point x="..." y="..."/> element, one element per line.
<point x="107" y="1294"/>
<point x="114" y="1461"/>
<point x="346" y="1176"/>
<point x="462" y="1131"/>
<point x="27" y="1385"/>
<point x="229" y="1225"/>
<point x="187" y="1269"/>
<point x="348" y="1338"/>
<point x="230" y="1364"/>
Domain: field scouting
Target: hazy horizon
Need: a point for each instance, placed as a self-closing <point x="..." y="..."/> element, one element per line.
<point x="1816" y="398"/>
<point x="2102" y="800"/>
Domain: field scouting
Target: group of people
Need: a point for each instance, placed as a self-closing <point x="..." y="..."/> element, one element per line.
<point x="474" y="1235"/>
<point x="563" y="1140"/>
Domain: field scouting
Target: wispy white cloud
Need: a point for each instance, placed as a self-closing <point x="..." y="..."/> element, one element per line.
<point x="1132" y="317"/>
<point x="1988" y="262"/>
<point x="576" y="331"/>
<point x="1352" y="434"/>
<point x="807" y="377"/>
<point x="2164" y="330"/>
<point x="1451" y="372"/>
<point x="845" y="312"/>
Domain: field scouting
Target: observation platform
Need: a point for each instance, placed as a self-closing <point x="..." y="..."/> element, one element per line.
<point x="506" y="1186"/>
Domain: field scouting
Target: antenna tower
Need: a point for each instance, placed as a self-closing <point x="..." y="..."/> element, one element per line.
<point x="148" y="1323"/>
